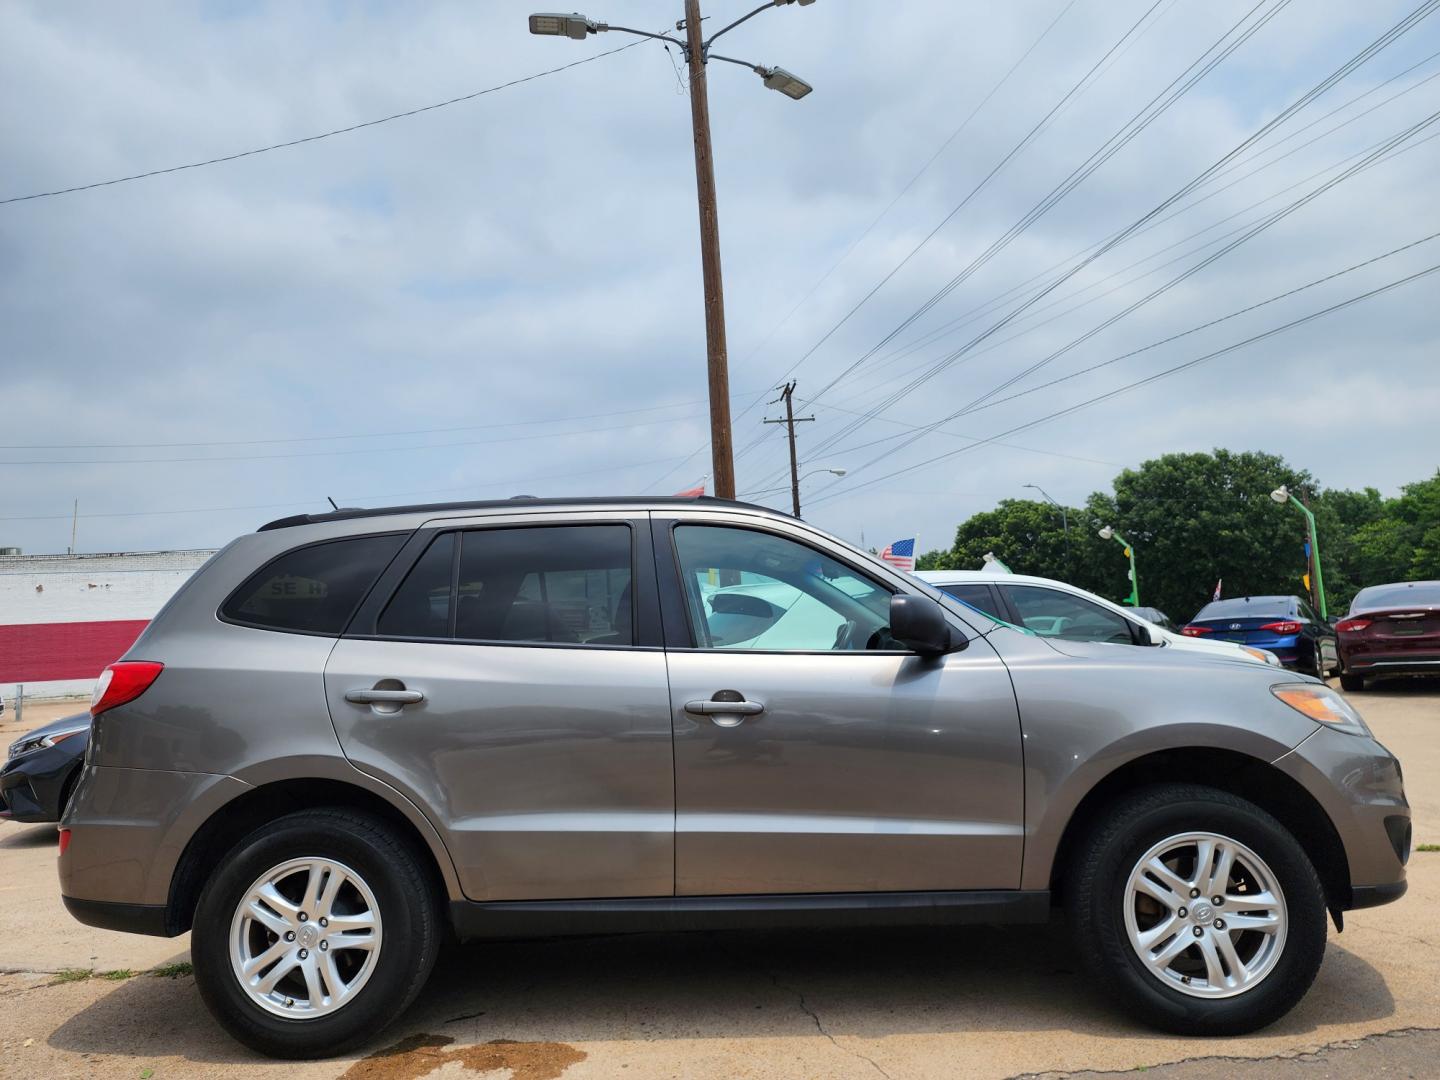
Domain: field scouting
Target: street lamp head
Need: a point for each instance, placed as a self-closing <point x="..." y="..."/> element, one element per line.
<point x="837" y="472"/>
<point x="1107" y="533"/>
<point x="789" y="85"/>
<point x="575" y="25"/>
<point x="1281" y="494"/>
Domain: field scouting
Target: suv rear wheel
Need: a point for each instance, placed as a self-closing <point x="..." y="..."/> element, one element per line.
<point x="1197" y="911"/>
<point x="314" y="932"/>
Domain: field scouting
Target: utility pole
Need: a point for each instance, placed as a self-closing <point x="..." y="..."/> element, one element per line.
<point x="717" y="361"/>
<point x="74" y="524"/>
<point x="697" y="54"/>
<point x="787" y="395"/>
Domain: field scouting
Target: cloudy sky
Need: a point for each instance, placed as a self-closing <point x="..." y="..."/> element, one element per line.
<point x="503" y="296"/>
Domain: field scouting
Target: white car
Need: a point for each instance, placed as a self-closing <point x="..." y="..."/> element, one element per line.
<point x="1052" y="608"/>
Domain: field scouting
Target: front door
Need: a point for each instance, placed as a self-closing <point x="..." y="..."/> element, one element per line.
<point x="846" y="764"/>
<point x="508" y="685"/>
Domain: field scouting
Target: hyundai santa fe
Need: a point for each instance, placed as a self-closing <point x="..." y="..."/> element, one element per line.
<point x="353" y="735"/>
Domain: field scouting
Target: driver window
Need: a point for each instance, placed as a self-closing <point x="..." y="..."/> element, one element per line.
<point x="753" y="590"/>
<point x="1051" y="613"/>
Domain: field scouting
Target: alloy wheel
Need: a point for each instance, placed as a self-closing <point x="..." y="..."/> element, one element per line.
<point x="305" y="938"/>
<point x="1205" y="915"/>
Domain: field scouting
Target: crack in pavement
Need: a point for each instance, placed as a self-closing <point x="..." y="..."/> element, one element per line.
<point x="820" y="1027"/>
<point x="1316" y="1054"/>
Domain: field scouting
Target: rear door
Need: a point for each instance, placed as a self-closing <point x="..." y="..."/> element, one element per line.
<point x="849" y="763"/>
<point x="507" y="675"/>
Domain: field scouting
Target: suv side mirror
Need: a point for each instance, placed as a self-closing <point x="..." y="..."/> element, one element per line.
<point x="919" y="623"/>
<point x="1143" y="635"/>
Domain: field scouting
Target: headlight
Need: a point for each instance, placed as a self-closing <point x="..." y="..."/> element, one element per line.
<point x="38" y="742"/>
<point x="1322" y="704"/>
<point x="1264" y="655"/>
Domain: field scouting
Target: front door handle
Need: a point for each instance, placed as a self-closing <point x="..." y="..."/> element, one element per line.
<point x="384" y="697"/>
<point x="725" y="713"/>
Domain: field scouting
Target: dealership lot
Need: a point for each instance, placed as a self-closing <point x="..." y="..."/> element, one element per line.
<point x="975" y="1002"/>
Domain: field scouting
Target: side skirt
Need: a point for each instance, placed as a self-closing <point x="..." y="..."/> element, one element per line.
<point x="475" y="920"/>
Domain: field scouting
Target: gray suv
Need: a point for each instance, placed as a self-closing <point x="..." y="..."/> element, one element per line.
<point x="351" y="735"/>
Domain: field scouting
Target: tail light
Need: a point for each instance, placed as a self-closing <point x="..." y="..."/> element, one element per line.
<point x="123" y="682"/>
<point x="64" y="841"/>
<point x="1282" y="627"/>
<point x="1195" y="631"/>
<point x="1346" y="625"/>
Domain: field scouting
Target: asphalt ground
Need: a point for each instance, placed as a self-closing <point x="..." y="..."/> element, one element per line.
<point x="978" y="1002"/>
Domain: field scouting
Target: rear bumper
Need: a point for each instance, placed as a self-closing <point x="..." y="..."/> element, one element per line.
<point x="1363" y="896"/>
<point x="126" y="918"/>
<point x="1390" y="663"/>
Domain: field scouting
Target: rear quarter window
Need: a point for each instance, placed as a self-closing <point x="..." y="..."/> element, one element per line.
<point x="313" y="589"/>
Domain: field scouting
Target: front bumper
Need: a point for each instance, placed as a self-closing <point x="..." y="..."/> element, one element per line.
<point x="1359" y="785"/>
<point x="32" y="786"/>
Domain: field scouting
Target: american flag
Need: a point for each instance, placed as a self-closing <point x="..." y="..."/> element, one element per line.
<point x="1217" y="589"/>
<point x="900" y="554"/>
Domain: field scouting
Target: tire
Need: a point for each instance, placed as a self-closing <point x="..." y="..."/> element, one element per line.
<point x="1352" y="682"/>
<point x="372" y="976"/>
<point x="1106" y="907"/>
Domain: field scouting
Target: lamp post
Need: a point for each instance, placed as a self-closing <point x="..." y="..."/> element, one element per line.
<point x="813" y="472"/>
<point x="1107" y="533"/>
<point x="1064" y="522"/>
<point x="696" y="50"/>
<point x="1282" y="495"/>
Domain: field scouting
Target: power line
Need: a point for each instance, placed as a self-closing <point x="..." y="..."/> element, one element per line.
<point x="316" y="138"/>
<point x="1126" y="388"/>
<point x="363" y="434"/>
<point x="1365" y="54"/>
<point x="343" y="453"/>
<point x="996" y="301"/>
<point x="515" y="482"/>
<point x="1157" y="344"/>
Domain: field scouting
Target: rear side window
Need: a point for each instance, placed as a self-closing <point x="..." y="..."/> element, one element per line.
<point x="421" y="606"/>
<point x="314" y="589"/>
<point x="561" y="584"/>
<point x="976" y="596"/>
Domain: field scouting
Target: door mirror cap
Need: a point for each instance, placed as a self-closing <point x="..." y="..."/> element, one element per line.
<point x="919" y="624"/>
<point x="1143" y="634"/>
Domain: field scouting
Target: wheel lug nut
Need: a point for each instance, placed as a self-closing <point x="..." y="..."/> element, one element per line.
<point x="1183" y="912"/>
<point x="1198" y="933"/>
<point x="1219" y="924"/>
<point x="1218" y="900"/>
<point x="324" y="946"/>
<point x="305" y="953"/>
<point x="304" y="917"/>
<point x="324" y="921"/>
<point x="289" y="935"/>
<point x="1193" y="894"/>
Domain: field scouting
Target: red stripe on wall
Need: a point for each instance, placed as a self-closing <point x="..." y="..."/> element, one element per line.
<point x="41" y="652"/>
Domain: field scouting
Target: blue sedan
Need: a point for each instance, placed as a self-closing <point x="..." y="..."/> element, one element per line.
<point x="1285" y="625"/>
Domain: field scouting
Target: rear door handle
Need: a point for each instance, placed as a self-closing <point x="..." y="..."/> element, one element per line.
<point x="384" y="697"/>
<point x="725" y="713"/>
<point x="734" y="708"/>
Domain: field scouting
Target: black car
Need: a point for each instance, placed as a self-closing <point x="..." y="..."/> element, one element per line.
<point x="41" y="769"/>
<point x="1286" y="625"/>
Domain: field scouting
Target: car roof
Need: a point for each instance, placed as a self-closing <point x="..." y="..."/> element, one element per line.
<point x="518" y="502"/>
<point x="955" y="577"/>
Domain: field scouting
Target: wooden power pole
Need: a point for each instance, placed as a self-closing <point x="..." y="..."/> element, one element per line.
<point x="787" y="395"/>
<point x="717" y="361"/>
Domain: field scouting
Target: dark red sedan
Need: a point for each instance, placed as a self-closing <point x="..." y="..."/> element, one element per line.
<point x="1391" y="630"/>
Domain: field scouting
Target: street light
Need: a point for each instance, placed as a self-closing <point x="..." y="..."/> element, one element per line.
<point x="1107" y="533"/>
<point x="696" y="50"/>
<point x="1282" y="495"/>
<point x="1064" y="522"/>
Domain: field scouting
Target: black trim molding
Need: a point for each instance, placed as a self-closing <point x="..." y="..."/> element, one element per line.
<point x="126" y="918"/>
<point x="662" y="914"/>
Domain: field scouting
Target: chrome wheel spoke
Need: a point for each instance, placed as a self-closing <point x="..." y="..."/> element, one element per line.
<point x="1148" y="939"/>
<point x="265" y="959"/>
<point x="1214" y="972"/>
<point x="262" y="914"/>
<point x="331" y="974"/>
<point x="1266" y="924"/>
<point x="1224" y="945"/>
<point x="1219" y="882"/>
<point x="341" y="924"/>
<point x="270" y="896"/>
<point x="275" y="974"/>
<point x="309" y="967"/>
<point x="325" y="902"/>
<point x="1161" y="960"/>
<point x="1204" y="862"/>
<point x="1177" y="885"/>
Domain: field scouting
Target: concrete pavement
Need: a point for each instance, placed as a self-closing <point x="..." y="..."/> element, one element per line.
<point x="974" y="1003"/>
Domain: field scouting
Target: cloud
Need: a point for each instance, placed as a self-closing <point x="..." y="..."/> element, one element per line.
<point x="532" y="255"/>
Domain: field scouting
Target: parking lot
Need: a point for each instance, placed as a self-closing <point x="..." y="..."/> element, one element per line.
<point x="978" y="1002"/>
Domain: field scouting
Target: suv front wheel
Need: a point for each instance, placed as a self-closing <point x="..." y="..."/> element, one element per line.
<point x="313" y="933"/>
<point x="1197" y="911"/>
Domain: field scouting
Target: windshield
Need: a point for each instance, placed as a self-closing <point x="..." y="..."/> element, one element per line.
<point x="1407" y="594"/>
